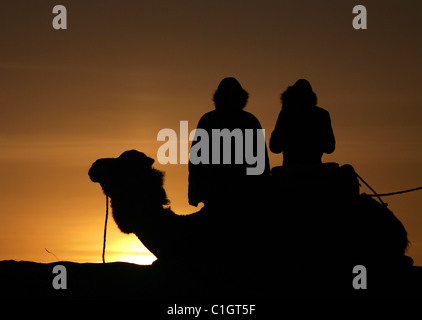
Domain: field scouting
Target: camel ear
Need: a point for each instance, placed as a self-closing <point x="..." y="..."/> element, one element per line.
<point x="150" y="161"/>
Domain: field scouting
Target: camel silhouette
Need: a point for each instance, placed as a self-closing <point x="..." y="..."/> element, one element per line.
<point x="309" y="218"/>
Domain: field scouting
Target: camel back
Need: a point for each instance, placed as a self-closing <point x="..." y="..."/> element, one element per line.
<point x="327" y="181"/>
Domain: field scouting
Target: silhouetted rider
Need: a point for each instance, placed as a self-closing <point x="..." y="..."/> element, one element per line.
<point x="303" y="130"/>
<point x="221" y="184"/>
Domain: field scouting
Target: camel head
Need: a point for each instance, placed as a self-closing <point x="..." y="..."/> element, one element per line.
<point x="133" y="185"/>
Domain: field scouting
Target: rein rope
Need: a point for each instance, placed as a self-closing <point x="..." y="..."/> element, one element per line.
<point x="379" y="195"/>
<point x="105" y="230"/>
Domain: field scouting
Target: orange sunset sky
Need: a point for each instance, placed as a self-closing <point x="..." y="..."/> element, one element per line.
<point x="123" y="70"/>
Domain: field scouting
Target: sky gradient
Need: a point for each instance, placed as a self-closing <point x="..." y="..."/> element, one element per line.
<point x="124" y="70"/>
